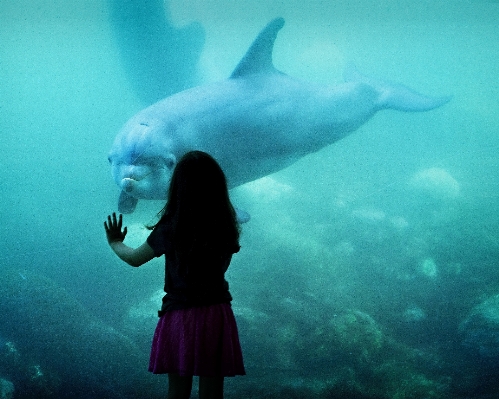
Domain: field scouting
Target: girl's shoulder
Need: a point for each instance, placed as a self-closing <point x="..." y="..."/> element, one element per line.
<point x="164" y="227"/>
<point x="161" y="229"/>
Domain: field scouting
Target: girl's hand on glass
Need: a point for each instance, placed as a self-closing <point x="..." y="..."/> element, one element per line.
<point x="113" y="229"/>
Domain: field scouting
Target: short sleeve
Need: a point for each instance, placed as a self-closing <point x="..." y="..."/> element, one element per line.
<point x="158" y="239"/>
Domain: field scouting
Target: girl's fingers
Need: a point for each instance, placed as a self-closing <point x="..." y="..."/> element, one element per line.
<point x="113" y="222"/>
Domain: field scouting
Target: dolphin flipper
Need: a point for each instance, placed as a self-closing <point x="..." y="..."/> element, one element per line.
<point x="394" y="95"/>
<point x="242" y="216"/>
<point x="126" y="203"/>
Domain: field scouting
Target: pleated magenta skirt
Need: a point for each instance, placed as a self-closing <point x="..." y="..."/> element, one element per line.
<point x="201" y="341"/>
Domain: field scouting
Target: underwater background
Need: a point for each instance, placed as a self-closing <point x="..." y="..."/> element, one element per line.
<point x="369" y="269"/>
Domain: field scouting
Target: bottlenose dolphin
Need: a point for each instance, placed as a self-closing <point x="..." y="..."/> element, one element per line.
<point x="255" y="123"/>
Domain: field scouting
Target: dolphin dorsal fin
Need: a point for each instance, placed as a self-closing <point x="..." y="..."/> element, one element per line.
<point x="258" y="58"/>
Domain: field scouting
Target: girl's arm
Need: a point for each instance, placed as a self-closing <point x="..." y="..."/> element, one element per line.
<point x="134" y="257"/>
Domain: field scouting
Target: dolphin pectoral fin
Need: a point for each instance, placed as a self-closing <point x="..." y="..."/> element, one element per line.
<point x="126" y="203"/>
<point x="242" y="216"/>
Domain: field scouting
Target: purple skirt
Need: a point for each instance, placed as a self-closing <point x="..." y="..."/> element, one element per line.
<point x="201" y="341"/>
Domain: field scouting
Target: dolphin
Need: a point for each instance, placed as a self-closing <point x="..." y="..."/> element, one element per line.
<point x="255" y="123"/>
<point x="158" y="58"/>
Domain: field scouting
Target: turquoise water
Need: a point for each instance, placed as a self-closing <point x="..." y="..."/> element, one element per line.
<point x="366" y="255"/>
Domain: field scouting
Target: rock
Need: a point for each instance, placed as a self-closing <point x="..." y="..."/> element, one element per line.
<point x="436" y="182"/>
<point x="6" y="389"/>
<point x="350" y="338"/>
<point x="480" y="329"/>
<point x="64" y="348"/>
<point x="141" y="319"/>
<point x="428" y="268"/>
<point x="413" y="314"/>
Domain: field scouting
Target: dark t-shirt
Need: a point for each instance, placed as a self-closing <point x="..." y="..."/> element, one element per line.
<point x="199" y="282"/>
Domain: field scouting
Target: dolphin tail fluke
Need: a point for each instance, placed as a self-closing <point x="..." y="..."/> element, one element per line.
<point x="402" y="98"/>
<point x="396" y="96"/>
<point x="126" y="203"/>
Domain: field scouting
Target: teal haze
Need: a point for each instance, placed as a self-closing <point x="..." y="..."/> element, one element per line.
<point x="368" y="268"/>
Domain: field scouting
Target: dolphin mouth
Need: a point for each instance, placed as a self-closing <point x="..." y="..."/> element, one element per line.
<point x="127" y="184"/>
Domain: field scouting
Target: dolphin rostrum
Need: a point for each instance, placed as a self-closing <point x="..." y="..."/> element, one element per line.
<point x="255" y="123"/>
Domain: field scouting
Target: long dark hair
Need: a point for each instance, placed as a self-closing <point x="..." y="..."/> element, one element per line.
<point x="198" y="208"/>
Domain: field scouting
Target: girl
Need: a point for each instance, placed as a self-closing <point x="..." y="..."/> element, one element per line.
<point x="198" y="233"/>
